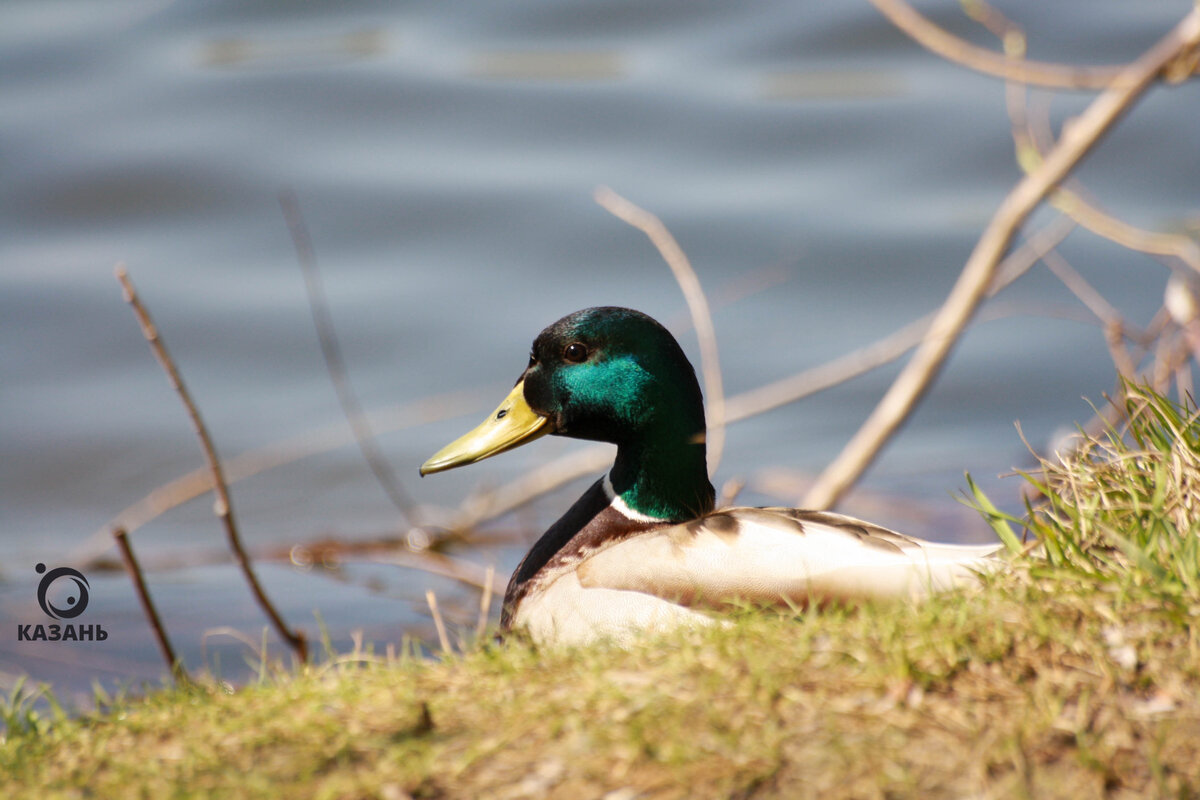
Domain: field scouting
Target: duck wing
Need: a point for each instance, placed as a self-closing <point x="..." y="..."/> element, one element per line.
<point x="769" y="555"/>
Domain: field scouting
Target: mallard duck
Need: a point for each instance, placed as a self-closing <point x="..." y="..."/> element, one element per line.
<point x="644" y="549"/>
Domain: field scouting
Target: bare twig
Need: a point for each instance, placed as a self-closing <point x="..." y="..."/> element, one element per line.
<point x="331" y="351"/>
<point x="1031" y="251"/>
<point x="465" y="572"/>
<point x="890" y="347"/>
<point x="443" y="639"/>
<point x="693" y="293"/>
<point x="534" y="483"/>
<point x="1033" y="138"/>
<point x="331" y="553"/>
<point x="485" y="601"/>
<point x="223" y="506"/>
<point x="178" y="671"/>
<point x="244" y="465"/>
<point x="968" y="291"/>
<point x="960" y="51"/>
<point x="1115" y="326"/>
<point x="1169" y="357"/>
<point x="1079" y="286"/>
<point x="1088" y="215"/>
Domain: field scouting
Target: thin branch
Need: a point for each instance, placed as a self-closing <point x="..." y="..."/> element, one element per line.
<point x="1115" y="325"/>
<point x="331" y="351"/>
<point x="1088" y="215"/>
<point x="178" y="671"/>
<point x="693" y="293"/>
<point x="1084" y="291"/>
<point x="948" y="46"/>
<point x="251" y="462"/>
<point x="465" y="572"/>
<point x="534" y="483"/>
<point x="1172" y="353"/>
<point x="980" y="268"/>
<point x="889" y="348"/>
<point x="333" y="553"/>
<point x="223" y="506"/>
<point x="443" y="639"/>
<point x="1033" y="138"/>
<point x="485" y="601"/>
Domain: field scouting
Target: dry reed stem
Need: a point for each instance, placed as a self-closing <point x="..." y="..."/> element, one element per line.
<point x="1033" y="138"/>
<point x="178" y="671"/>
<point x="461" y="571"/>
<point x="443" y="639"/>
<point x="251" y="462"/>
<point x="1101" y="223"/>
<point x="968" y="291"/>
<point x="485" y="601"/>
<point x="729" y="492"/>
<point x="952" y="48"/>
<point x="223" y="506"/>
<point x="1031" y="251"/>
<point x="697" y="304"/>
<point x="465" y="572"/>
<point x="534" y="483"/>
<point x="888" y="348"/>
<point x="1079" y="286"/>
<point x="1115" y="325"/>
<point x="331" y="352"/>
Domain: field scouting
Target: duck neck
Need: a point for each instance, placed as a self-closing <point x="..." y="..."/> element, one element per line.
<point x="663" y="480"/>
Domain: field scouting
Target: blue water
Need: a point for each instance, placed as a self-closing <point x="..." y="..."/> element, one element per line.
<point x="826" y="176"/>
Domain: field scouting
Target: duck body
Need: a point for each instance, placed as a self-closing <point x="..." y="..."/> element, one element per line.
<point x="644" y="549"/>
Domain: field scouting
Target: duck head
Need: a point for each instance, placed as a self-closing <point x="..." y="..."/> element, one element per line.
<point x="612" y="375"/>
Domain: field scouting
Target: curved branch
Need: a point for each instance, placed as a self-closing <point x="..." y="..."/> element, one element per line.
<point x="224" y="505"/>
<point x="980" y="59"/>
<point x="697" y="303"/>
<point x="968" y="291"/>
<point x="335" y="363"/>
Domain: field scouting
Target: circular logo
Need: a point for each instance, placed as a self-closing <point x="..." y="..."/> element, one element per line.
<point x="76" y="600"/>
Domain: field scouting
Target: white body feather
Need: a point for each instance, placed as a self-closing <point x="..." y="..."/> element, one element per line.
<point x="649" y="582"/>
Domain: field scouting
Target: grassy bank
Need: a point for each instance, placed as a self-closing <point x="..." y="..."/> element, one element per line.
<point x="1076" y="673"/>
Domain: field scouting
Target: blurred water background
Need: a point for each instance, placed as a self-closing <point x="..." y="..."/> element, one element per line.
<point x="827" y="177"/>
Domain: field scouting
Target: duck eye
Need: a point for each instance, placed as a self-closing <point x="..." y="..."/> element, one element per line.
<point x="576" y="353"/>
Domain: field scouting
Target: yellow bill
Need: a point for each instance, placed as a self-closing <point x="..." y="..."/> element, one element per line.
<point x="512" y="424"/>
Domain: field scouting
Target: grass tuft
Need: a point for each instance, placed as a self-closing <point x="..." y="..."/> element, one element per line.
<point x="1121" y="511"/>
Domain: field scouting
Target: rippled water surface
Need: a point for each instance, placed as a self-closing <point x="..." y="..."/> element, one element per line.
<point x="826" y="176"/>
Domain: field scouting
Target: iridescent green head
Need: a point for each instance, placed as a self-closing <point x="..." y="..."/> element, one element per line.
<point x="613" y="375"/>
